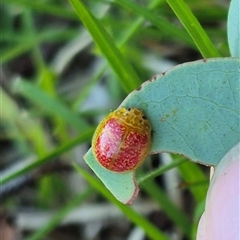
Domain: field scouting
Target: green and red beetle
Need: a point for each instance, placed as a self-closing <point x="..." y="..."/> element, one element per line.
<point x="122" y="140"/>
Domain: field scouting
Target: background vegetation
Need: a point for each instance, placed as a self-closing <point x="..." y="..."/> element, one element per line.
<point x="64" y="66"/>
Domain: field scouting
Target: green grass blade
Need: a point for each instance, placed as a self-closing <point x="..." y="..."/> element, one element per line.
<point x="193" y="27"/>
<point x="24" y="43"/>
<point x="161" y="170"/>
<point x="86" y="90"/>
<point x="49" y="157"/>
<point x="41" y="6"/>
<point x="192" y="174"/>
<point x="152" y="232"/>
<point x="167" y="206"/>
<point x="50" y="105"/>
<point x="129" y="32"/>
<point x="136" y="24"/>
<point x="59" y="216"/>
<point x="16" y="50"/>
<point x="22" y="129"/>
<point x="146" y="183"/>
<point x="164" y="26"/>
<point x="124" y="71"/>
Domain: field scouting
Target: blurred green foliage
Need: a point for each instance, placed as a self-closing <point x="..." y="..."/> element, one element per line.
<point x="47" y="70"/>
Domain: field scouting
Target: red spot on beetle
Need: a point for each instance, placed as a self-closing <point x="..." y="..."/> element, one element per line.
<point x="122" y="140"/>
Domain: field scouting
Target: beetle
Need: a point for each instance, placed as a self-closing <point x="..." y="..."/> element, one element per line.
<point x="122" y="140"/>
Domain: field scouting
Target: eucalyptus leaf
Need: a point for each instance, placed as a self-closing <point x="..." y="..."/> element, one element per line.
<point x="122" y="185"/>
<point x="233" y="27"/>
<point x="194" y="111"/>
<point x="193" y="108"/>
